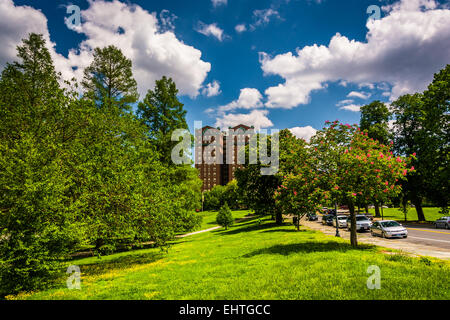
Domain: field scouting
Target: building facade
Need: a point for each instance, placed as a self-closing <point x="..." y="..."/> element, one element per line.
<point x="216" y="153"/>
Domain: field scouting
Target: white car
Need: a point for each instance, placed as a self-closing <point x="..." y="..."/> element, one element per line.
<point x="362" y="223"/>
<point x="388" y="229"/>
<point x="342" y="221"/>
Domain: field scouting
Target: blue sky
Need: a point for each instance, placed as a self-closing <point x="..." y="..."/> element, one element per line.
<point x="294" y="64"/>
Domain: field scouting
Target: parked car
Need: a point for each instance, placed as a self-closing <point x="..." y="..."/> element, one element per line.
<point x="327" y="219"/>
<point x="362" y="223"/>
<point x="332" y="211"/>
<point x="312" y="217"/>
<point x="342" y="221"/>
<point x="388" y="229"/>
<point x="369" y="216"/>
<point x="443" y="222"/>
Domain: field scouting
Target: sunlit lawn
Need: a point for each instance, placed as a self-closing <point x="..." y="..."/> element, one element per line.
<point x="431" y="214"/>
<point x="209" y="218"/>
<point x="252" y="261"/>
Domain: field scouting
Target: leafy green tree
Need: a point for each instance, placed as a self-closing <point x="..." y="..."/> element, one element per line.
<point x="257" y="190"/>
<point x="231" y="195"/>
<point x="436" y="153"/>
<point x="214" y="198"/>
<point x="410" y="138"/>
<point x="37" y="225"/>
<point x="225" y="217"/>
<point x="73" y="173"/>
<point x="163" y="113"/>
<point x="375" y="120"/>
<point x="109" y="81"/>
<point x="354" y="168"/>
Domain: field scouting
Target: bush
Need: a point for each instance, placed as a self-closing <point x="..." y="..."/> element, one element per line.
<point x="225" y="217"/>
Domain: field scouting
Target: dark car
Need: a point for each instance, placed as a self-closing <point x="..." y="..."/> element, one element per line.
<point x="328" y="219"/>
<point x="332" y="212"/>
<point x="312" y="217"/>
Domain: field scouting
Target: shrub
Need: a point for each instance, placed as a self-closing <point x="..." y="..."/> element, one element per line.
<point x="225" y="217"/>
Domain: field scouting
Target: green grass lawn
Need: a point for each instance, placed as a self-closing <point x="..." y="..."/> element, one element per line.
<point x="431" y="214"/>
<point x="252" y="261"/>
<point x="209" y="218"/>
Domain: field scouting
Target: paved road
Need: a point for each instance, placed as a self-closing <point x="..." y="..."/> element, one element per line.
<point x="422" y="240"/>
<point x="428" y="236"/>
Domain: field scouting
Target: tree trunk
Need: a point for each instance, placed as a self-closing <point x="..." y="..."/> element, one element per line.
<point x="353" y="235"/>
<point x="298" y="223"/>
<point x="377" y="210"/>
<point x="418" y="204"/>
<point x="279" y="218"/>
<point x="366" y="206"/>
<point x="99" y="243"/>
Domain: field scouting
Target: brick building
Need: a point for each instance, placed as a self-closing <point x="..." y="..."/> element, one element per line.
<point x="214" y="170"/>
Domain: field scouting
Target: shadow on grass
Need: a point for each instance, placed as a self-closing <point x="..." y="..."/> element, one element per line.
<point x="248" y="227"/>
<point x="123" y="262"/>
<point x="307" y="247"/>
<point x="286" y="230"/>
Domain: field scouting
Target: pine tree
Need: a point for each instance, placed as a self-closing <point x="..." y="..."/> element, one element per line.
<point x="109" y="81"/>
<point x="163" y="113"/>
<point x="225" y="217"/>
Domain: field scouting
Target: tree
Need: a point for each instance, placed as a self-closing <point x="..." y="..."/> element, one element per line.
<point x="299" y="195"/>
<point x="225" y="217"/>
<point x="410" y="138"/>
<point x="375" y="119"/>
<point x="257" y="190"/>
<point x="37" y="225"/>
<point x="354" y="168"/>
<point x="231" y="195"/>
<point x="109" y="81"/>
<point x="75" y="173"/>
<point x="436" y="124"/>
<point x="163" y="113"/>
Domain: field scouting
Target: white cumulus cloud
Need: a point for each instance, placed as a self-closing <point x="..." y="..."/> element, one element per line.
<point x="249" y="98"/>
<point x="351" y="107"/>
<point x="151" y="44"/>
<point x="256" y="118"/>
<point x="305" y="133"/>
<point x="210" y="30"/>
<point x="212" y="89"/>
<point x="403" y="49"/>
<point x="360" y="95"/>
<point x="240" y="28"/>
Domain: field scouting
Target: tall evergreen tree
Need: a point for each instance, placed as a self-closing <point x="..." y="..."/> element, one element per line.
<point x="36" y="212"/>
<point x="109" y="81"/>
<point x="163" y="113"/>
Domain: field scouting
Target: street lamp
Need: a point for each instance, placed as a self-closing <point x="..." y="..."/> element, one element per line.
<point x="337" y="223"/>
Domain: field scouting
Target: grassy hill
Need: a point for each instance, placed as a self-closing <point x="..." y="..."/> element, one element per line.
<point x="253" y="261"/>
